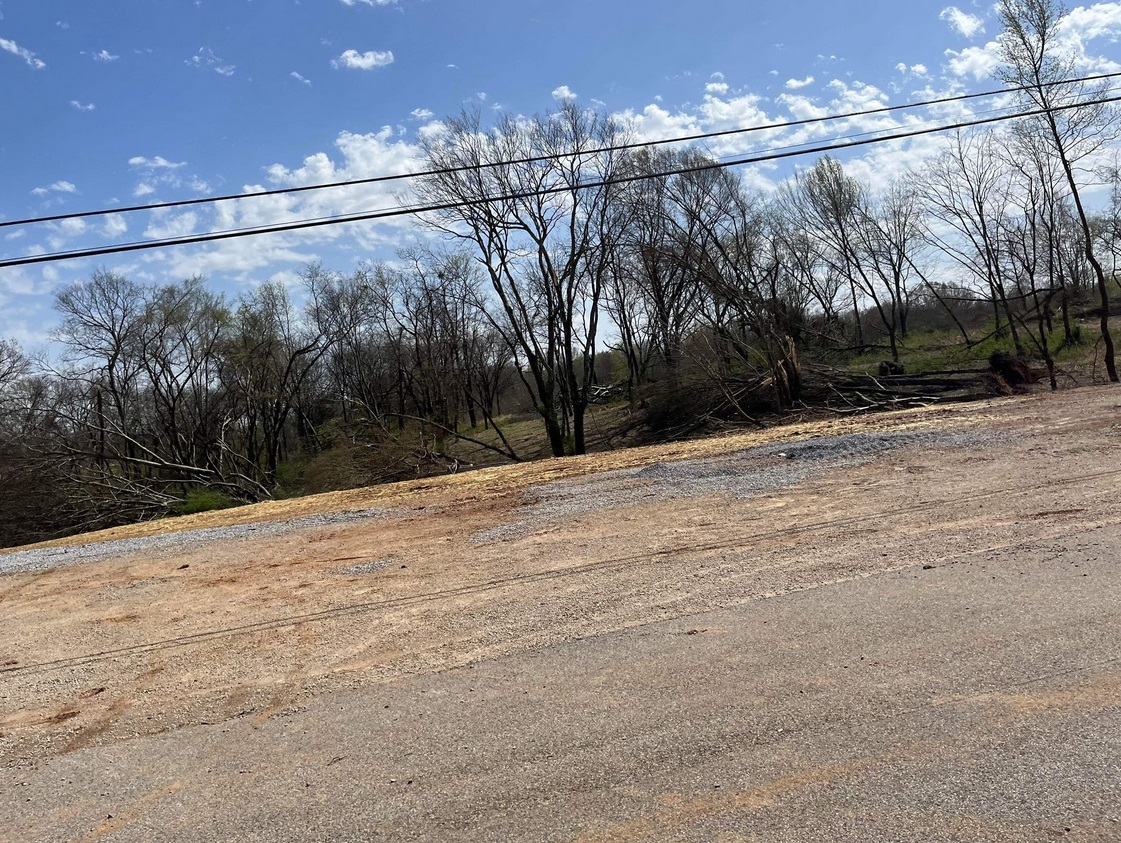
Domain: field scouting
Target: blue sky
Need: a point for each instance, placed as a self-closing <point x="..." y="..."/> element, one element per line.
<point x="119" y="102"/>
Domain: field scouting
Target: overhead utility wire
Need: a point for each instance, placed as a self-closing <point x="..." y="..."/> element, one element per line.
<point x="445" y="206"/>
<point x="887" y="109"/>
<point x="849" y="140"/>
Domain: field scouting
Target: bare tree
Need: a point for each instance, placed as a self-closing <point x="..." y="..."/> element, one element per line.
<point x="736" y="255"/>
<point x="1032" y="60"/>
<point x="866" y="245"/>
<point x="966" y="191"/>
<point x="655" y="296"/>
<point x="268" y="359"/>
<point x="545" y="241"/>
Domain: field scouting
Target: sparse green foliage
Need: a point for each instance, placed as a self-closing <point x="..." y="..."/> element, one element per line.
<point x="204" y="500"/>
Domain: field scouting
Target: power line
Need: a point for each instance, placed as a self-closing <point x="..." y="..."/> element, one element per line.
<point x="299" y="225"/>
<point x="809" y="121"/>
<point x="870" y="133"/>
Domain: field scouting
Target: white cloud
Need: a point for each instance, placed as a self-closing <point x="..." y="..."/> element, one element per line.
<point x="368" y="2"/>
<point x="57" y="187"/>
<point x="73" y="227"/>
<point x="963" y="23"/>
<point x="157" y="163"/>
<point x="795" y="84"/>
<point x="563" y="93"/>
<point x="978" y="62"/>
<point x="82" y="107"/>
<point x="356" y="156"/>
<point x="16" y="50"/>
<point x="157" y="171"/>
<point x="300" y="78"/>
<point x="65" y="231"/>
<point x="1083" y="24"/>
<point x="164" y="226"/>
<point x="421" y="114"/>
<point x="914" y="69"/>
<point x="369" y="60"/>
<point x="1073" y="37"/>
<point x="206" y="57"/>
<point x="115" y="225"/>
<point x="1097" y="21"/>
<point x="716" y="88"/>
<point x="431" y="129"/>
<point x="104" y="55"/>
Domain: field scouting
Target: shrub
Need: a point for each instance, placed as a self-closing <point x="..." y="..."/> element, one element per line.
<point x="205" y="500"/>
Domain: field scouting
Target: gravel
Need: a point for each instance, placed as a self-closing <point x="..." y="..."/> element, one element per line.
<point x="41" y="559"/>
<point x="741" y="474"/>
<point x="371" y="567"/>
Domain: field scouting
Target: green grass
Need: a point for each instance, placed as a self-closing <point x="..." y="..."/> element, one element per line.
<point x="928" y="351"/>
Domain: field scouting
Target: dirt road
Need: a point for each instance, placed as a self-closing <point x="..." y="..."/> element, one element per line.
<point x="643" y="618"/>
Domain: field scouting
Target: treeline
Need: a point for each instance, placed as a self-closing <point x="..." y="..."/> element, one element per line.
<point x="172" y="397"/>
<point x="566" y="261"/>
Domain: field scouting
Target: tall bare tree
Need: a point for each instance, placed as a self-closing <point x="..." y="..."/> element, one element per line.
<point x="516" y="193"/>
<point x="1033" y="59"/>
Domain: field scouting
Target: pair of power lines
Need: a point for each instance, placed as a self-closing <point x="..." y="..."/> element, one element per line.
<point x="836" y="144"/>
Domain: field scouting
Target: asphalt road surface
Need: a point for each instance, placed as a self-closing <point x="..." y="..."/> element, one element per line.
<point x="976" y="700"/>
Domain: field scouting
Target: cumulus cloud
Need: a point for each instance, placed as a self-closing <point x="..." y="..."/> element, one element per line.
<point x="421" y="114"/>
<point x="563" y="93"/>
<point x="978" y="62"/>
<point x="25" y="54"/>
<point x="914" y="69"/>
<point x="300" y="78"/>
<point x="795" y="84"/>
<point x="57" y="187"/>
<point x="104" y="55"/>
<point x="963" y="23"/>
<point x="1084" y="24"/>
<point x="65" y="231"/>
<point x="206" y="58"/>
<point x="369" y="60"/>
<point x="355" y="156"/>
<point x="1073" y="40"/>
<point x="716" y="88"/>
<point x="115" y="225"/>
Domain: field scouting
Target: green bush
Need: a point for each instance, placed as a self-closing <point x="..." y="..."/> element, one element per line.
<point x="205" y="500"/>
